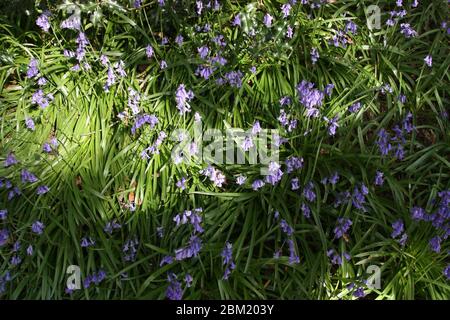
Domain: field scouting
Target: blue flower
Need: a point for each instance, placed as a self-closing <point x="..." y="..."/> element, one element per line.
<point x="37" y="227"/>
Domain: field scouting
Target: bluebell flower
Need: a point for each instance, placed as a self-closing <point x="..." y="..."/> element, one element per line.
<point x="308" y="192"/>
<point x="343" y="226"/>
<point x="30" y="250"/>
<point x="435" y="244"/>
<point x="87" y="242"/>
<point x="428" y="60"/>
<point x="42" y="21"/>
<point x="111" y="226"/>
<point x="174" y="290"/>
<point x="354" y="107"/>
<point x="149" y="51"/>
<point x="37" y="227"/>
<point x="182" y="97"/>
<point x="129" y="249"/>
<point x="351" y="27"/>
<point x="192" y="250"/>
<point x="166" y="260"/>
<point x="27" y="176"/>
<point x="314" y="55"/>
<point x="33" y="70"/>
<point x="286" y="228"/>
<point x="10" y="160"/>
<point x="407" y="30"/>
<point x="285" y="10"/>
<point x="268" y="20"/>
<point x="306" y="210"/>
<point x="42" y="190"/>
<point x="295" y="184"/>
<point x="293" y="163"/>
<point x="3" y="214"/>
<point x="398" y="228"/>
<point x="188" y="279"/>
<point x="293" y="257"/>
<point x="418" y="213"/>
<point x="15" y="260"/>
<point x="379" y="180"/>
<point x="447" y="272"/>
<point x="4" y="236"/>
<point x="257" y="184"/>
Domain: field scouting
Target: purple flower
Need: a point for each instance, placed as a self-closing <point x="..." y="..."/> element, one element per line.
<point x="203" y="52"/>
<point x="256" y="128"/>
<point x="418" y="213"/>
<point x="174" y="290"/>
<point x="37" y="227"/>
<point x="308" y="192"/>
<point x="216" y="176"/>
<point x="351" y="27"/>
<point x="247" y="144"/>
<point x="41" y="99"/>
<point x="188" y="279"/>
<point x="181" y="184"/>
<point x="295" y="184"/>
<point x="293" y="257"/>
<point x="87" y="242"/>
<point x="3" y="214"/>
<point x="4" y="237"/>
<point x="354" y="107"/>
<point x="42" y="22"/>
<point x="293" y="163"/>
<point x="398" y="228"/>
<point x="166" y="260"/>
<point x="314" y="55"/>
<point x="329" y="89"/>
<point x="27" y="176"/>
<point x="30" y="250"/>
<point x="332" y="125"/>
<point x="10" y="160"/>
<point x="192" y="250"/>
<point x="95" y="278"/>
<point x="129" y="249"/>
<point x="257" y="184"/>
<point x="240" y="180"/>
<point x="435" y="244"/>
<point x="286" y="228"/>
<point x="236" y="21"/>
<point x="137" y="4"/>
<point x="182" y="97"/>
<point x="343" y="225"/>
<point x="289" y="32"/>
<point x="268" y="20"/>
<point x="234" y="78"/>
<point x="447" y="272"/>
<point x="285" y="9"/>
<point x="310" y="97"/>
<point x="407" y="30"/>
<point x="16" y="260"/>
<point x="149" y="51"/>
<point x="383" y="142"/>
<point x="33" y="70"/>
<point x="379" y="180"/>
<point x="274" y="173"/>
<point x="42" y="190"/>
<point x="359" y="293"/>
<point x="140" y="120"/>
<point x="111" y="226"/>
<point x="428" y="60"/>
<point x="179" y="40"/>
<point x="306" y="210"/>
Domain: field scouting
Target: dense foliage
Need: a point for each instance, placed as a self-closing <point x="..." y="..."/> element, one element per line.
<point x="93" y="92"/>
